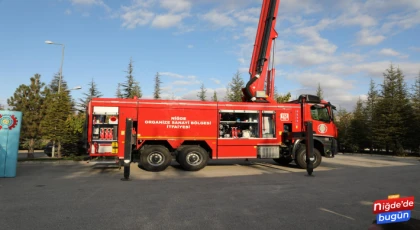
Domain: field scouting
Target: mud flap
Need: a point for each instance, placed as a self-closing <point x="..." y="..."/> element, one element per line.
<point x="127" y="149"/>
<point x="309" y="147"/>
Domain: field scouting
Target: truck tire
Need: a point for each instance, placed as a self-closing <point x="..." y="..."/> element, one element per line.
<point x="300" y="159"/>
<point x="283" y="160"/>
<point x="193" y="158"/>
<point x="155" y="158"/>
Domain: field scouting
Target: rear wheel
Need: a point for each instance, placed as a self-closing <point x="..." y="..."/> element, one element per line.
<point x="155" y="158"/>
<point x="301" y="157"/>
<point x="193" y="158"/>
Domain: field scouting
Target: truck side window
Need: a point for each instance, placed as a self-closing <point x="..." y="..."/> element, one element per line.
<point x="239" y="124"/>
<point x="268" y="124"/>
<point x="320" y="114"/>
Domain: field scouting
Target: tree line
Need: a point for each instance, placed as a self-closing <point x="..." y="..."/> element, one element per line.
<point x="48" y="113"/>
<point x="53" y="115"/>
<point x="387" y="121"/>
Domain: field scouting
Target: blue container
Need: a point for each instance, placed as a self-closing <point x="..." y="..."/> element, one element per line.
<point x="10" y="124"/>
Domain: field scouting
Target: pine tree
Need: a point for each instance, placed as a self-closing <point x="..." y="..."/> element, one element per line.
<point x="415" y="103"/>
<point x="136" y="91"/>
<point x="157" y="92"/>
<point x="320" y="92"/>
<point x="57" y="107"/>
<point x="29" y="100"/>
<point x="358" y="127"/>
<point x="202" y="93"/>
<point x="343" y="122"/>
<point x="390" y="128"/>
<point x="405" y="110"/>
<point x="93" y="92"/>
<point x="131" y="88"/>
<point x="55" y="84"/>
<point x="214" y="98"/>
<point x="370" y="110"/>
<point x="118" y="94"/>
<point x="226" y="97"/>
<point x="235" y="88"/>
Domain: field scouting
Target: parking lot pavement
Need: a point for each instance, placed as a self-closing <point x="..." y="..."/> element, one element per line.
<point x="224" y="195"/>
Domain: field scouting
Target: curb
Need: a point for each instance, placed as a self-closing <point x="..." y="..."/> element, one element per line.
<point x="58" y="162"/>
<point x="378" y="155"/>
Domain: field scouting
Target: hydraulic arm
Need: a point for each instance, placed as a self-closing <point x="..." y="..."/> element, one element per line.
<point x="260" y="87"/>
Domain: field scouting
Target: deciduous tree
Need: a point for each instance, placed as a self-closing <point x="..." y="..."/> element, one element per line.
<point x="281" y="98"/>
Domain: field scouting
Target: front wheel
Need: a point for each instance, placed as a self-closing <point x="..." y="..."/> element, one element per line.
<point x="301" y="157"/>
<point x="155" y="158"/>
<point x="193" y="158"/>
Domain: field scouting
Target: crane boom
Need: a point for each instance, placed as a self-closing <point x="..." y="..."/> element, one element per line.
<point x="260" y="87"/>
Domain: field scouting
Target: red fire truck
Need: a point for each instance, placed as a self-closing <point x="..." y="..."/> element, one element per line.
<point x="193" y="132"/>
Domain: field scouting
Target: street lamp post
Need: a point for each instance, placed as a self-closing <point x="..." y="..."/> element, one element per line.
<point x="62" y="60"/>
<point x="59" y="81"/>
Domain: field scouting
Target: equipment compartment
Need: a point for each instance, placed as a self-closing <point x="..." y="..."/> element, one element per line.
<point x="104" y="130"/>
<point x="239" y="124"/>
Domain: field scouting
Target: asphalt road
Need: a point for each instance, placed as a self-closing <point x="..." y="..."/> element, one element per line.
<point x="224" y="195"/>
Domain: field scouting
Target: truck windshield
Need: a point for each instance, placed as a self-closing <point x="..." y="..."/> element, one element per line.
<point x="320" y="114"/>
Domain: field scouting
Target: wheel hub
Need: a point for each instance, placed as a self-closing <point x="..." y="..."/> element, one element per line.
<point x="193" y="158"/>
<point x="155" y="159"/>
<point x="313" y="159"/>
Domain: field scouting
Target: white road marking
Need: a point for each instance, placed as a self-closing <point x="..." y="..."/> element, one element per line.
<point x="366" y="202"/>
<point x="364" y="162"/>
<point x="326" y="210"/>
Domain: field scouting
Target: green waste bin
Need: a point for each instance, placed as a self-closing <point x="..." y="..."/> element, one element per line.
<point x="10" y="124"/>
